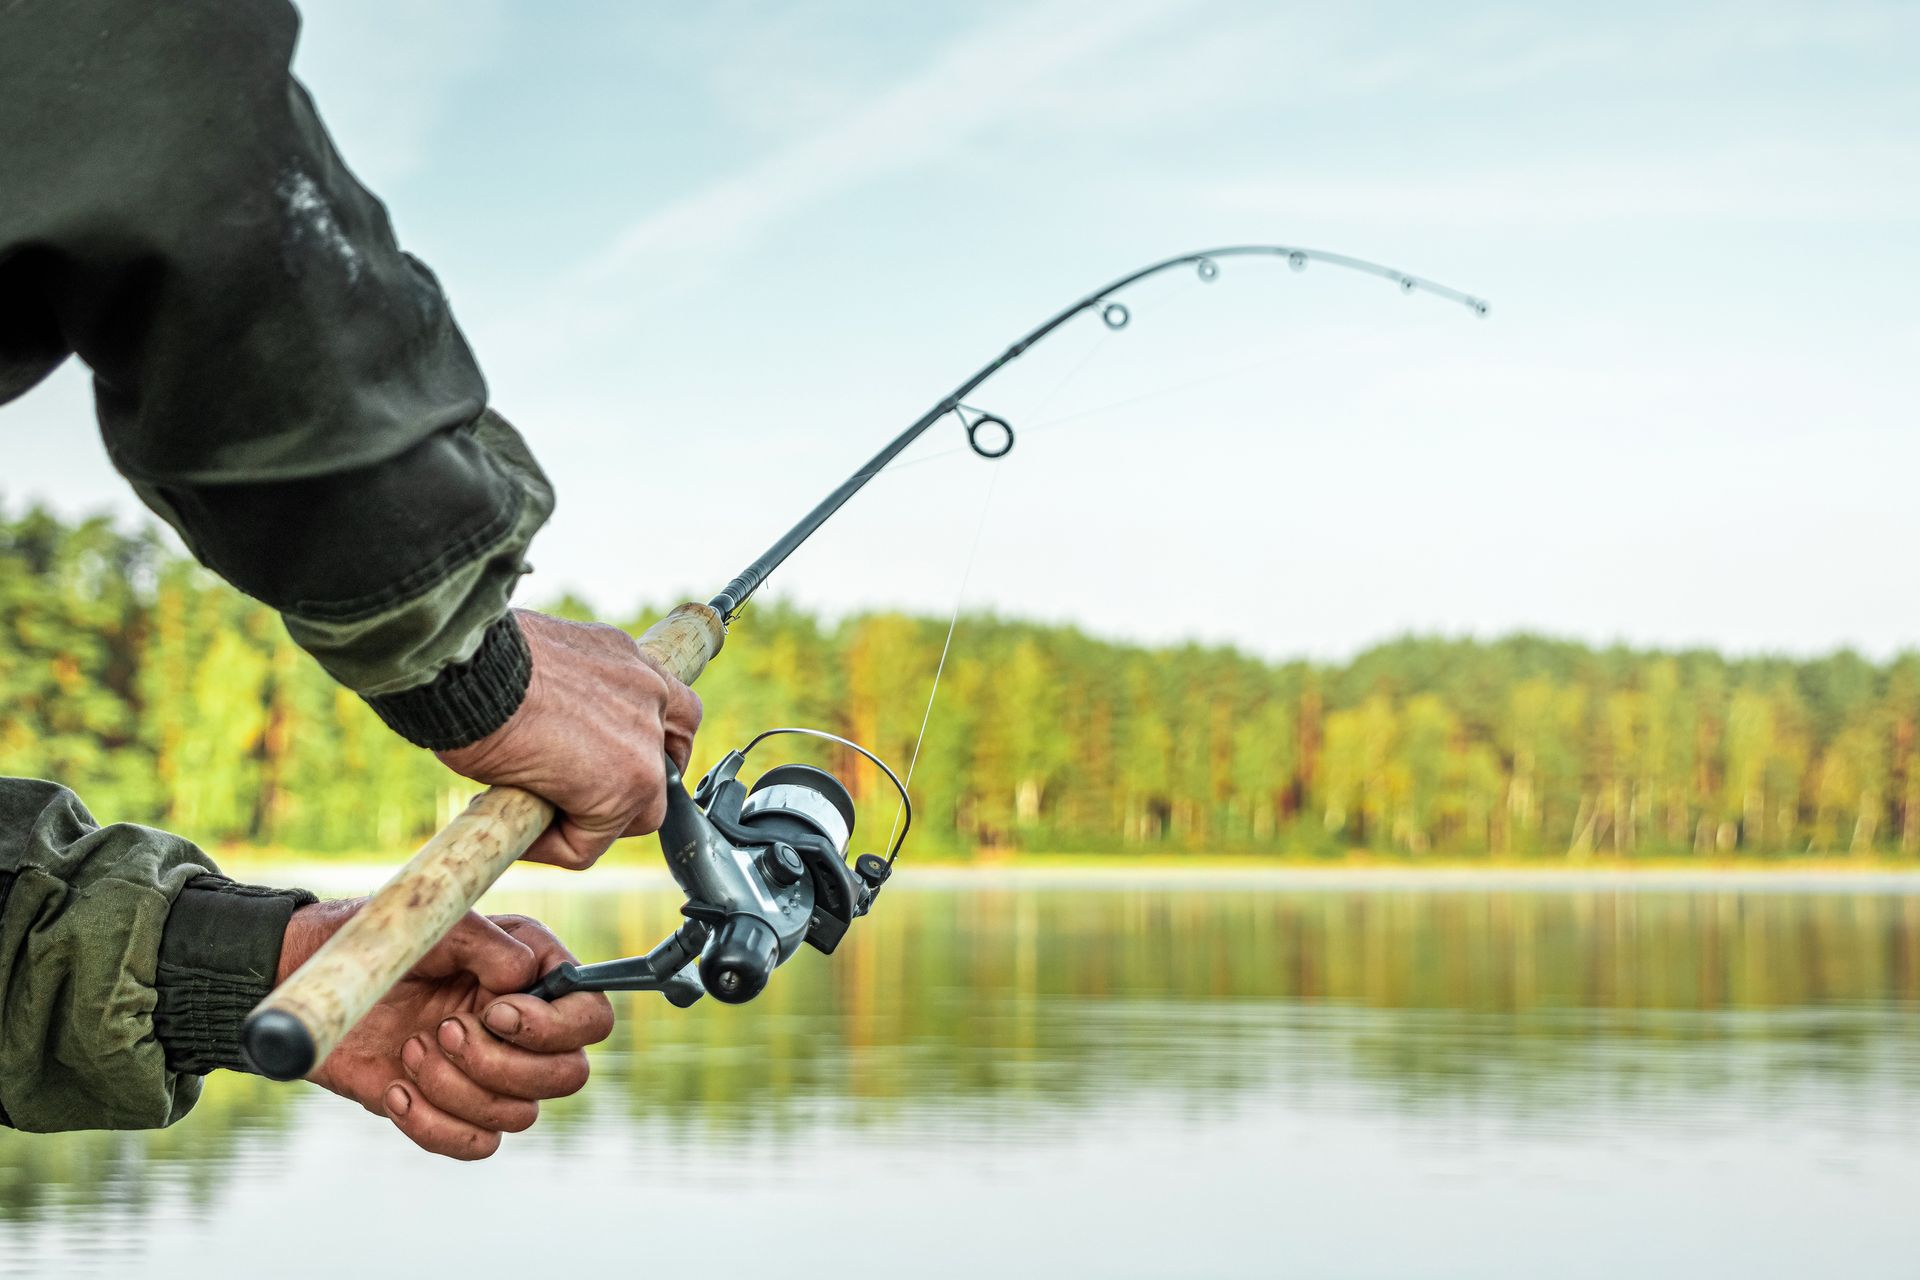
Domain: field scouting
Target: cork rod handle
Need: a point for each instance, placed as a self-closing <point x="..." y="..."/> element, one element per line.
<point x="299" y="1023"/>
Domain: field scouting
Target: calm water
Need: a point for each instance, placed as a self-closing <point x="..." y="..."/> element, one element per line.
<point x="1126" y="1082"/>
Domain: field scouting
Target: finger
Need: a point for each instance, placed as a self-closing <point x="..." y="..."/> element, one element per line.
<point x="680" y="710"/>
<point x="647" y="792"/>
<point x="433" y="1129"/>
<point x="503" y="1068"/>
<point x="557" y="1026"/>
<point x="482" y="948"/>
<point x="452" y="1090"/>
<point x="567" y="844"/>
<point x="652" y="812"/>
<point x="560" y="1026"/>
<point x="637" y="805"/>
<point x="546" y="946"/>
<point x="681" y="722"/>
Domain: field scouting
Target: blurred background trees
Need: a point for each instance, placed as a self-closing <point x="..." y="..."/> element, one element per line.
<point x="163" y="697"/>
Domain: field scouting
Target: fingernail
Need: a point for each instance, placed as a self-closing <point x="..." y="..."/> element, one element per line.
<point x="398" y="1100"/>
<point x="503" y="1019"/>
<point x="453" y="1036"/>
<point x="412" y="1054"/>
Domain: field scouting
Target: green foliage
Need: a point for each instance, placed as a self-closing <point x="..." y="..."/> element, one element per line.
<point x="164" y="697"/>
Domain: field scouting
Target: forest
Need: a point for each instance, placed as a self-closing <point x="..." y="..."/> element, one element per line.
<point x="164" y="697"/>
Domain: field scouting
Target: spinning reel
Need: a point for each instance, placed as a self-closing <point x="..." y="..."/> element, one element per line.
<point x="763" y="870"/>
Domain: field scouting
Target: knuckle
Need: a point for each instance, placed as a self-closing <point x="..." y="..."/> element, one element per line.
<point x="647" y="677"/>
<point x="440" y="1081"/>
<point x="577" y="850"/>
<point x="642" y="777"/>
<point x="514" y="923"/>
<point x="649" y="816"/>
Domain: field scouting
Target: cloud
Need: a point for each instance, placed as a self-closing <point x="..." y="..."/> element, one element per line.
<point x="981" y="81"/>
<point x="1253" y="56"/>
<point x="1784" y="181"/>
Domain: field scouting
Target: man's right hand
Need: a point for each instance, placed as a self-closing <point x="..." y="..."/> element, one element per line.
<point x="588" y="738"/>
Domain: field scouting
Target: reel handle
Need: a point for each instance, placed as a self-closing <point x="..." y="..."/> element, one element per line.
<point x="304" y="1018"/>
<point x="664" y="969"/>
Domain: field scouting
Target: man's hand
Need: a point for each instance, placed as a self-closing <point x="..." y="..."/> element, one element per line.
<point x="588" y="738"/>
<point x="449" y="1055"/>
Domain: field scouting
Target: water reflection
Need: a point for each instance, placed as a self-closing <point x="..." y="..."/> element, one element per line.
<point x="1003" y="1021"/>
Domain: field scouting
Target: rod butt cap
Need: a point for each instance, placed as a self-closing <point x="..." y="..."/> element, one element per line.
<point x="277" y="1044"/>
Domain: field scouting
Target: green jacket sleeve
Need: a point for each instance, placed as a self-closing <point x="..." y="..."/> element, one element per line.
<point x="126" y="965"/>
<point x="281" y="382"/>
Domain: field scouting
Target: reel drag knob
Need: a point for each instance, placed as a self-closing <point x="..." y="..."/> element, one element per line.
<point x="736" y="965"/>
<point x="781" y="865"/>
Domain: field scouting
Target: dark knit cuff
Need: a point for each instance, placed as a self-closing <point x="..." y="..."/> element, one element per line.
<point x="219" y="955"/>
<point x="466" y="702"/>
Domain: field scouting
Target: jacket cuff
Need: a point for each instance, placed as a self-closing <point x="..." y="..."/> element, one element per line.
<point x="219" y="955"/>
<point x="466" y="701"/>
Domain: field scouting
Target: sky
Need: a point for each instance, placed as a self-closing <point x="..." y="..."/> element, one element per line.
<point x="713" y="256"/>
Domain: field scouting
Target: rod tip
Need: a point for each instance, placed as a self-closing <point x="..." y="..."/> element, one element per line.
<point x="277" y="1045"/>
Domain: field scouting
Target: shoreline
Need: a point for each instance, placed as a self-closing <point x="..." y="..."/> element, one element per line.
<point x="352" y="876"/>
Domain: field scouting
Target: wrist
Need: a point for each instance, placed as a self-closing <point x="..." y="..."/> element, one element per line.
<point x="220" y="953"/>
<point x="309" y="927"/>
<point x="467" y="701"/>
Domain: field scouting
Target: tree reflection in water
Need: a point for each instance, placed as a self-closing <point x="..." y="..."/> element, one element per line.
<point x="1015" y="1011"/>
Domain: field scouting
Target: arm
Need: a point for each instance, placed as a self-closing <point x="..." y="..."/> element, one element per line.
<point x="279" y="381"/>
<point x="127" y="965"/>
<point x="286" y="387"/>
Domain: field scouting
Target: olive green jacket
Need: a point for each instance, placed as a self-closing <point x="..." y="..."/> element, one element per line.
<point x="287" y="389"/>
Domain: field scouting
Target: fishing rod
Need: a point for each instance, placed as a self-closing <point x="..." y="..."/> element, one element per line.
<point x="764" y="869"/>
<point x="1115" y="315"/>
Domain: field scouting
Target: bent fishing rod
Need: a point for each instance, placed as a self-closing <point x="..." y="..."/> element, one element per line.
<point x="765" y="868"/>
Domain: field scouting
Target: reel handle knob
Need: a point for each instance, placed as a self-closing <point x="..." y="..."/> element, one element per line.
<point x="740" y="959"/>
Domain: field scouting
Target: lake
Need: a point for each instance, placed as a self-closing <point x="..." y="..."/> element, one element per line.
<point x="1031" y="1078"/>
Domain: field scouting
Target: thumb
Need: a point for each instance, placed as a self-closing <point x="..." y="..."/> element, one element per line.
<point x="482" y="948"/>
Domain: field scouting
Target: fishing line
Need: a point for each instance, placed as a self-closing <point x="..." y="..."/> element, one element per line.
<point x="960" y="597"/>
<point x="946" y="647"/>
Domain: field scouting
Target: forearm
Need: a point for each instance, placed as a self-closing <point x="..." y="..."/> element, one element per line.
<point x="396" y="577"/>
<point x="126" y="965"/>
<point x="279" y="380"/>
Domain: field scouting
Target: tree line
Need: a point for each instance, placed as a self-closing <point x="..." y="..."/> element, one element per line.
<point x="164" y="697"/>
